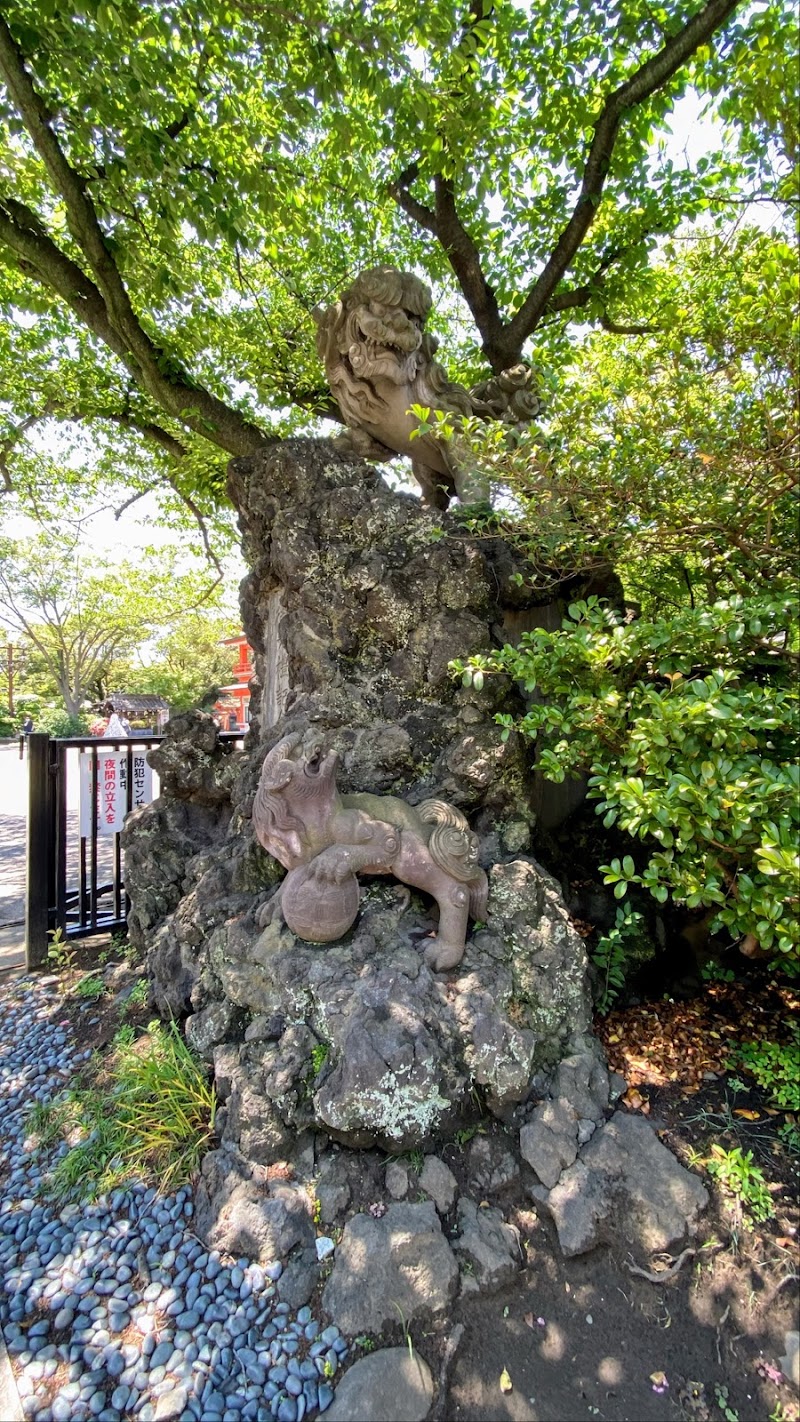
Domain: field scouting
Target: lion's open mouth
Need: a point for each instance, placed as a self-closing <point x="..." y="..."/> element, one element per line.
<point x="313" y="763"/>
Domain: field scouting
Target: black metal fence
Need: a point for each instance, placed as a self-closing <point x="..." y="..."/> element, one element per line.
<point x="74" y="878"/>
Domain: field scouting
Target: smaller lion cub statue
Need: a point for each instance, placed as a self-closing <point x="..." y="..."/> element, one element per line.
<point x="325" y="840"/>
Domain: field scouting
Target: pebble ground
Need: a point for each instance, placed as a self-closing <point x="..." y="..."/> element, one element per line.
<point x="114" y="1309"/>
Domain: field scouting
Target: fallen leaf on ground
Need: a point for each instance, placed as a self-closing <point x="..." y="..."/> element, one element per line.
<point x="669" y="1042"/>
<point x="768" y="1370"/>
<point x="634" y="1100"/>
<point x="528" y="1319"/>
<point x="746" y="1114"/>
<point x="506" y="1384"/>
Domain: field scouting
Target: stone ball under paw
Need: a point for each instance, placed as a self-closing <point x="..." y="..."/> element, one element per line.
<point x="318" y="911"/>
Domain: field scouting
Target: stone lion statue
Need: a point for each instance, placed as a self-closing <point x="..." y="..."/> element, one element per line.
<point x="325" y="840"/>
<point x="379" y="361"/>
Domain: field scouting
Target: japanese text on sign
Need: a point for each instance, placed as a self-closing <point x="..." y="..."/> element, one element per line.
<point x="111" y="803"/>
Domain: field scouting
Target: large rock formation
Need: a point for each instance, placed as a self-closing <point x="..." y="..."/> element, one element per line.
<point x="357" y="601"/>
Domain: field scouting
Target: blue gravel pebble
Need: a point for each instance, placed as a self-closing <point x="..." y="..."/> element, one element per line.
<point x="197" y="1330"/>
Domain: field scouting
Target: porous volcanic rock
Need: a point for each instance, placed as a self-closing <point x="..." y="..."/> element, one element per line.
<point x="402" y="1049"/>
<point x="398" y="1263"/>
<point x="625" y="1186"/>
<point x="488" y="1245"/>
<point x="356" y="602"/>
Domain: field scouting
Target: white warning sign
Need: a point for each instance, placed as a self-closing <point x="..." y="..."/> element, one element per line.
<point x="111" y="800"/>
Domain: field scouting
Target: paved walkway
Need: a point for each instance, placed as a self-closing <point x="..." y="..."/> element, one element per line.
<point x="13" y="822"/>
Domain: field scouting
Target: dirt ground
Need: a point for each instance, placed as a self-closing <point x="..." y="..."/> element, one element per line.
<point x="588" y="1337"/>
<point x="593" y="1337"/>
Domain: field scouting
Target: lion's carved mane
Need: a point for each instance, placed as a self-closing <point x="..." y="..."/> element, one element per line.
<point x="380" y="361"/>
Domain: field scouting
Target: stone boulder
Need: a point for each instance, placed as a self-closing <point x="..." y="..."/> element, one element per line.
<point x="392" y="1385"/>
<point x="487" y="1248"/>
<point x="391" y="1270"/>
<point x="549" y="1141"/>
<point x="439" y="1183"/>
<point x="356" y="602"/>
<point x="625" y="1186"/>
<point x="491" y="1164"/>
<point x="238" y="1216"/>
<point x="360" y="1039"/>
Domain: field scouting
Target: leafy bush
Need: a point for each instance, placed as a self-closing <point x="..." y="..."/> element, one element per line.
<point x="90" y="988"/>
<point x="687" y="726"/>
<point x="151" y="1117"/>
<point x="61" y="953"/>
<point x="610" y="957"/>
<point x="57" y="722"/>
<point x="776" y="1068"/>
<point x="738" y="1177"/>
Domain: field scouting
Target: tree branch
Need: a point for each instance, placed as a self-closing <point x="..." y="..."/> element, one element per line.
<point x="38" y="256"/>
<point x="174" y="392"/>
<point x="13" y="438"/>
<point x="416" y="210"/>
<point x="154" y="432"/>
<point x="134" y="498"/>
<point x="503" y="342"/>
<point x="151" y="431"/>
<point x="464" y="258"/>
<point x="651" y="76"/>
<point x="446" y="226"/>
<point x="620" y="329"/>
<point x="53" y="411"/>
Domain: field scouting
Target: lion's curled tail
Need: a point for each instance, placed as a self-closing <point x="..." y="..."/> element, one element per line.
<point x="452" y="846"/>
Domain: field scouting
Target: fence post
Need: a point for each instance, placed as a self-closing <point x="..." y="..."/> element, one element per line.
<point x="39" y="850"/>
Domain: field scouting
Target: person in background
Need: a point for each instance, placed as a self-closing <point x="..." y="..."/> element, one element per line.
<point x="233" y="724"/>
<point x="27" y="725"/>
<point x="126" y="725"/>
<point x="115" y="730"/>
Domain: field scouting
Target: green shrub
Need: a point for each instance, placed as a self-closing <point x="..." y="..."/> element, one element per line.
<point x="137" y="997"/>
<point x="610" y="957"/>
<point x="743" y="1181"/>
<point x="61" y="953"/>
<point x="151" y="1117"/>
<point x="91" y="988"/>
<point x="57" y="722"/>
<point x="687" y="727"/>
<point x="776" y="1068"/>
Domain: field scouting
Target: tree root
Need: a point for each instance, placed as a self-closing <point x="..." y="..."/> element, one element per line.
<point x="451" y="1347"/>
<point x="666" y="1274"/>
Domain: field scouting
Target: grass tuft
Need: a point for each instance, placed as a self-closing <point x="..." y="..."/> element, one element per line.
<point x="150" y="1115"/>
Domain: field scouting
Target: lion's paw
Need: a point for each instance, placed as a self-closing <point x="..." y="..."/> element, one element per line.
<point x="270" y="912"/>
<point x="441" y="956"/>
<point x="332" y="865"/>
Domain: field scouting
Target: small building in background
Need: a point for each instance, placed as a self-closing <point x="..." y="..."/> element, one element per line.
<point x="232" y="706"/>
<point x="145" y="712"/>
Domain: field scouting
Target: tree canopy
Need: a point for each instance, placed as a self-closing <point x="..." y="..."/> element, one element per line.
<point x="77" y="617"/>
<point x="182" y="182"/>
